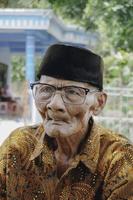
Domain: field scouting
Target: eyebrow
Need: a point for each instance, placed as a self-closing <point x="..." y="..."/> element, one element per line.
<point x="67" y="84"/>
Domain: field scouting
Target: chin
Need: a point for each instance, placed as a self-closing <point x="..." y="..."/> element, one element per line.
<point x="55" y="131"/>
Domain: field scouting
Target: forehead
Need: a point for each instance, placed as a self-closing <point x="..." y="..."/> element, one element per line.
<point x="62" y="82"/>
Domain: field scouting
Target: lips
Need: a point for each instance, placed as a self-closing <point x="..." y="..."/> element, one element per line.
<point x="56" y="119"/>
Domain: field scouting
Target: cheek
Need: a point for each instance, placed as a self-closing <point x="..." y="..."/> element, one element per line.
<point x="82" y="112"/>
<point x="90" y="101"/>
<point x="41" y="109"/>
<point x="83" y="108"/>
<point x="77" y="111"/>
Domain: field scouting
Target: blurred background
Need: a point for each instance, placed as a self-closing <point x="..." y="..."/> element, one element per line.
<point x="28" y="27"/>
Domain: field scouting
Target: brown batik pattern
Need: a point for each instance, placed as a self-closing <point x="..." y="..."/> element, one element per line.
<point x="102" y="170"/>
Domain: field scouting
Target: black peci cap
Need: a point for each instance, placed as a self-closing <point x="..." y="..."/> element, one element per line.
<point x="72" y="63"/>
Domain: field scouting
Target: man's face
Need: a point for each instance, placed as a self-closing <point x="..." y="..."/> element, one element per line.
<point x="62" y="119"/>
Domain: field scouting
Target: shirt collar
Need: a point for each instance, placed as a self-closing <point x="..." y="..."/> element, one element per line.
<point x="88" y="154"/>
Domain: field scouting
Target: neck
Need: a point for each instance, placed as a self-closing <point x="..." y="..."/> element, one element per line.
<point x="68" y="146"/>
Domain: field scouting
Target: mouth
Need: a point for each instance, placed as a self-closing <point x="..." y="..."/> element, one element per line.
<point x="56" y="121"/>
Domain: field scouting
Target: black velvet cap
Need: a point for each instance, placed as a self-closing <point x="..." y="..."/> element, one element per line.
<point x="72" y="63"/>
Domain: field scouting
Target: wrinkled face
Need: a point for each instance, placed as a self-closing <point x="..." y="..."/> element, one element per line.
<point x="63" y="119"/>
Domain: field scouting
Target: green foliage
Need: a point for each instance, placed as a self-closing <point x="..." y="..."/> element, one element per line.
<point x="69" y="9"/>
<point x="116" y="15"/>
<point x="24" y="4"/>
<point x="34" y="4"/>
<point x="18" y="68"/>
<point x="119" y="69"/>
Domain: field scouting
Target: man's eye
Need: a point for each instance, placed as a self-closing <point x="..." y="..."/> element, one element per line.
<point x="73" y="91"/>
<point x="46" y="89"/>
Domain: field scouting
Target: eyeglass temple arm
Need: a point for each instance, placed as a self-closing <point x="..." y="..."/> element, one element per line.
<point x="32" y="84"/>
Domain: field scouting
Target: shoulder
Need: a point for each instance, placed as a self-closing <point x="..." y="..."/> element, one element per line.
<point x="108" y="143"/>
<point x="115" y="164"/>
<point x="22" y="137"/>
<point x="115" y="146"/>
<point x="22" y="132"/>
<point x="109" y="137"/>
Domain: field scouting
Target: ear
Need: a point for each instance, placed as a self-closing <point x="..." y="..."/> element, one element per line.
<point x="101" y="98"/>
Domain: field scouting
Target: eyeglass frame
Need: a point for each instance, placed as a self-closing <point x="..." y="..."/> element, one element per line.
<point x="60" y="88"/>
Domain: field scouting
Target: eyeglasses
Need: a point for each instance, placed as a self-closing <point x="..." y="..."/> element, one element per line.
<point x="43" y="92"/>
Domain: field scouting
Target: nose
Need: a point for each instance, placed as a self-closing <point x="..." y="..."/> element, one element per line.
<point x="56" y="103"/>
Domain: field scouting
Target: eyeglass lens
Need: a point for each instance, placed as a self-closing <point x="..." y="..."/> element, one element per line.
<point x="70" y="94"/>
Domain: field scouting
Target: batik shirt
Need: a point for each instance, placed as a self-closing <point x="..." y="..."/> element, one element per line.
<point x="101" y="170"/>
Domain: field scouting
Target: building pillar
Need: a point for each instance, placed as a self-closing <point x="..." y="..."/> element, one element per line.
<point x="30" y="76"/>
<point x="30" y="58"/>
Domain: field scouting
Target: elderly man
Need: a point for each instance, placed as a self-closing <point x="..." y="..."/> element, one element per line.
<point x="68" y="156"/>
